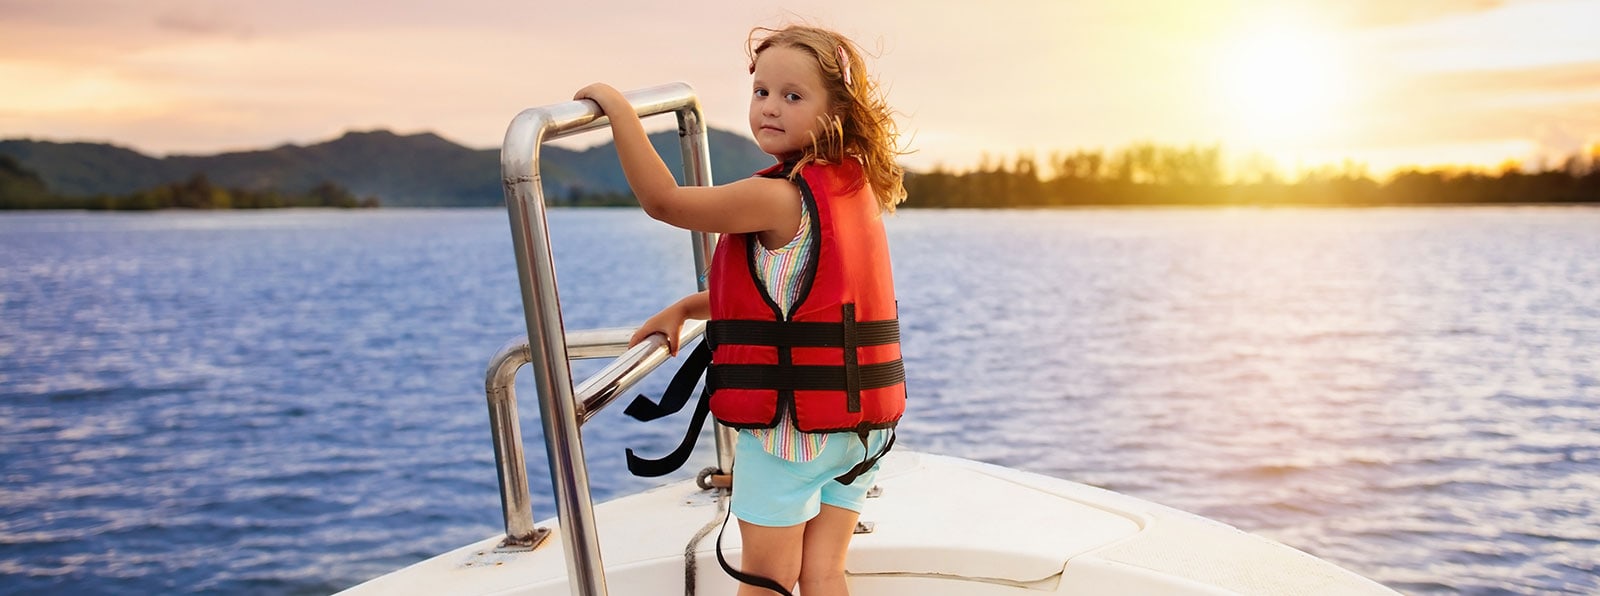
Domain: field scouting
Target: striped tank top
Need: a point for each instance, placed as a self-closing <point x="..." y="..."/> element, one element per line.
<point x="780" y="271"/>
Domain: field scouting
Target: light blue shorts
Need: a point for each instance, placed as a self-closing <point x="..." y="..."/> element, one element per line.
<point x="771" y="491"/>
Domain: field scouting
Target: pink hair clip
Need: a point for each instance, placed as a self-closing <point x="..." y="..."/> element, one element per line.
<point x="844" y="64"/>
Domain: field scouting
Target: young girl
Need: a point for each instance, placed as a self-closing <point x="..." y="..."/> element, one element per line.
<point x="803" y="326"/>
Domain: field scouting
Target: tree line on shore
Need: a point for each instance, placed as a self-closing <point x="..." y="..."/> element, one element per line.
<point x="1141" y="174"/>
<point x="1149" y="174"/>
<point x="21" y="188"/>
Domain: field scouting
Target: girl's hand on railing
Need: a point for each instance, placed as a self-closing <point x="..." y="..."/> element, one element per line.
<point x="668" y="322"/>
<point x="605" y="95"/>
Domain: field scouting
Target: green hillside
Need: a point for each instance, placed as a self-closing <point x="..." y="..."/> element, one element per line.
<point x="83" y="169"/>
<point x="401" y="170"/>
<point x="20" y="188"/>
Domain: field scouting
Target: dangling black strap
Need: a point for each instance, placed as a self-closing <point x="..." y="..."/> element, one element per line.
<point x="748" y="578"/>
<point x="868" y="460"/>
<point x="678" y="391"/>
<point x="651" y="468"/>
<point x="672" y="400"/>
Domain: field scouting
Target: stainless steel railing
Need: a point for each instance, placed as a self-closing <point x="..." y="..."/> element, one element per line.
<point x="593" y="395"/>
<point x="548" y="348"/>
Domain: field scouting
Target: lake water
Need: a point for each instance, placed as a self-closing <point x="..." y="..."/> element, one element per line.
<point x="291" y="402"/>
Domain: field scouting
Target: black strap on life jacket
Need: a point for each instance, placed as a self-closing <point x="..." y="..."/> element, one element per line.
<point x="672" y="400"/>
<point x="847" y="334"/>
<point x="801" y="334"/>
<point x="748" y="578"/>
<point x="850" y="378"/>
<point x="869" y="460"/>
<point x="678" y="390"/>
<point x="806" y="377"/>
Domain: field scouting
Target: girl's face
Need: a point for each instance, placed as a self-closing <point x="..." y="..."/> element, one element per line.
<point x="787" y="101"/>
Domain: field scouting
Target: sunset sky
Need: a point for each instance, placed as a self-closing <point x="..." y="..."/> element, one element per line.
<point x="1384" y="82"/>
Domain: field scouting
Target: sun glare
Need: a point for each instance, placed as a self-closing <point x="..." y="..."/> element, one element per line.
<point x="1281" y="85"/>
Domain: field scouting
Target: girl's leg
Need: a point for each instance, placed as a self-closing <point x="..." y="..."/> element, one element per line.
<point x="773" y="553"/>
<point x="827" y="539"/>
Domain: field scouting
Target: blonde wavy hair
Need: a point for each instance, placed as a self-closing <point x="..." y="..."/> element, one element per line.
<point x="860" y="123"/>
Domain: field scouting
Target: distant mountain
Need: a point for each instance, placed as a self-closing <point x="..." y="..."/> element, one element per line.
<point x="401" y="170"/>
<point x="16" y="181"/>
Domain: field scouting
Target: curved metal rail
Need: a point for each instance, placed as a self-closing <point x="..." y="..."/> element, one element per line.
<point x="562" y="409"/>
<point x="631" y="366"/>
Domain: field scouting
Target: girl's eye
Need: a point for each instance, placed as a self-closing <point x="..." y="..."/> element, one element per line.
<point x="761" y="92"/>
<point x="792" y="96"/>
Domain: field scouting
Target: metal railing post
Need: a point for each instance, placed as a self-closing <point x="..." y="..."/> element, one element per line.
<point x="697" y="172"/>
<point x="630" y="366"/>
<point x="506" y="432"/>
<point x="547" y="349"/>
<point x="559" y="412"/>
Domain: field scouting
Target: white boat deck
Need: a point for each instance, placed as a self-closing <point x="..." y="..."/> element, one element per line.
<point x="941" y="526"/>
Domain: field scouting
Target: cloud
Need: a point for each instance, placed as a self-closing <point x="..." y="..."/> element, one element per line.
<point x="1388" y="13"/>
<point x="207" y="20"/>
<point x="1584" y="76"/>
<point x="1553" y="106"/>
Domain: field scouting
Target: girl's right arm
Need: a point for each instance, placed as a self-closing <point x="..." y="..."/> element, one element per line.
<point x="766" y="205"/>
<point x="670" y="320"/>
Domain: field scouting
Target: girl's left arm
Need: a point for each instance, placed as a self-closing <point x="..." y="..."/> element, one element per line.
<point x="749" y="205"/>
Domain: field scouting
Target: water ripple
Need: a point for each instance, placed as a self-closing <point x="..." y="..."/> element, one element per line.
<point x="1407" y="392"/>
